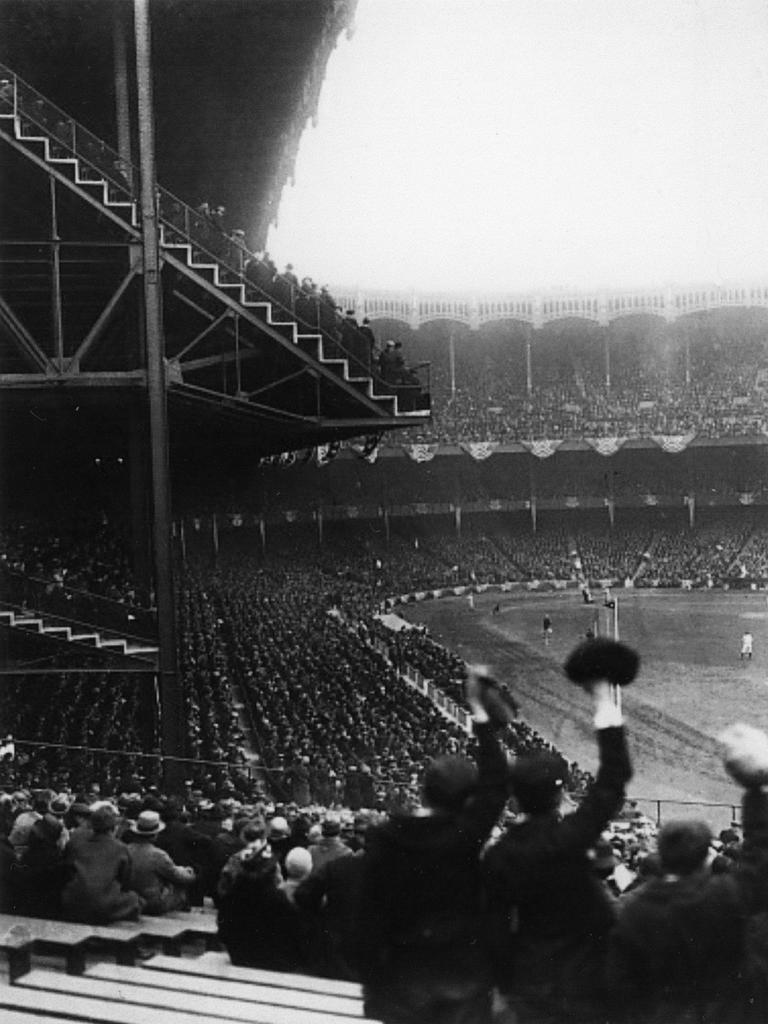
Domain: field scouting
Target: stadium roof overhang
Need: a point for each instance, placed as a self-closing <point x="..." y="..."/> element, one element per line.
<point x="235" y="84"/>
<point x="71" y="273"/>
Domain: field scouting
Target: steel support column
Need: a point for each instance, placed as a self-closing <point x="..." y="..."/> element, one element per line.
<point x="172" y="726"/>
<point x="58" y="323"/>
<point x="122" y="105"/>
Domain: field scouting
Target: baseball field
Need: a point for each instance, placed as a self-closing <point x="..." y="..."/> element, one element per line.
<point x="692" y="681"/>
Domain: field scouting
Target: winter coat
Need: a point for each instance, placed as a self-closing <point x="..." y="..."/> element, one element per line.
<point x="683" y="950"/>
<point x="326" y="849"/>
<point x="559" y="912"/>
<point x="330" y="897"/>
<point x="421" y="921"/>
<point x="99" y="892"/>
<point x="258" y="925"/>
<point x="40" y="876"/>
<point x="160" y="883"/>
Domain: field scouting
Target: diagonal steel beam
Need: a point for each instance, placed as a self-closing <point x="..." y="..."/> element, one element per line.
<point x="101" y="321"/>
<point x="328" y="375"/>
<point x="226" y="315"/>
<point x="234" y="403"/>
<point x="275" y="383"/>
<point x="71" y="185"/>
<point x="24" y="340"/>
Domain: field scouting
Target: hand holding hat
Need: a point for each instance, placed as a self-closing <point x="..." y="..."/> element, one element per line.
<point x="481" y="689"/>
<point x="746" y="754"/>
<point x="602" y="659"/>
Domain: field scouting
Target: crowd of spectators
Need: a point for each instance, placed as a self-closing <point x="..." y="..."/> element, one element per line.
<point x="651" y="389"/>
<point x="394" y="897"/>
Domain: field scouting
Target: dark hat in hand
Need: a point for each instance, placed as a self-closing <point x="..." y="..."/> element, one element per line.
<point x="746" y="754"/>
<point x="495" y="698"/>
<point x="602" y="658"/>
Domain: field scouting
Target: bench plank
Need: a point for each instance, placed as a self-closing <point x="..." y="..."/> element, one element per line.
<point x="247" y="991"/>
<point x="110" y="992"/>
<point x="20" y="1017"/>
<point x="217" y="965"/>
<point x="47" y="1005"/>
<point x="72" y="938"/>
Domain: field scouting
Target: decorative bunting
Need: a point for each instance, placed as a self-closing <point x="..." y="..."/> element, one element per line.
<point x="542" y="449"/>
<point x="673" y="444"/>
<point x="480" y="450"/>
<point x="605" y="445"/>
<point x="421" y="452"/>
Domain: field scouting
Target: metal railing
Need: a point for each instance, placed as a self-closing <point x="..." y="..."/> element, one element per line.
<point x="70" y="606"/>
<point x="209" y="241"/>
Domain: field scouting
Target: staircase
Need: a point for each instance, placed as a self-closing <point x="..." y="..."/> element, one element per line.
<point x="189" y="242"/>
<point x="77" y="633"/>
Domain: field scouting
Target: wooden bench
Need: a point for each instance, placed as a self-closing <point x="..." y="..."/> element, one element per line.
<point x="246" y="991"/>
<point x="70" y="939"/>
<point x="17" y="946"/>
<point x="50" y="1006"/>
<point x="217" y="965"/>
<point x="128" y="1003"/>
<point x="19" y="1017"/>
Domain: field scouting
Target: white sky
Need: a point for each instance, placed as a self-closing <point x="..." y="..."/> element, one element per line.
<point x="514" y="144"/>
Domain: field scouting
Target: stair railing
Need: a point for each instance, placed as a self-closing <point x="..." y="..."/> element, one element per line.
<point x="183" y="225"/>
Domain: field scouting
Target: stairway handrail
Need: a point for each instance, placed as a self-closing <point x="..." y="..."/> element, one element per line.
<point x="141" y="616"/>
<point x="122" y="173"/>
<point x="119" y="173"/>
<point x="54" y="619"/>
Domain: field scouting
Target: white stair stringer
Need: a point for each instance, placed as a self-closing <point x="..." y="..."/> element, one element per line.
<point x="120" y="645"/>
<point x="74" y="162"/>
<point x="83" y="172"/>
<point x="239" y="288"/>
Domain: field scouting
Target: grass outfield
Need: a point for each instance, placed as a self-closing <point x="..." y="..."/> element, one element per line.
<point x="691" y="685"/>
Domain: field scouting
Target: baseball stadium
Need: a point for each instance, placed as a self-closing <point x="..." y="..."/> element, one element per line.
<point x="388" y="643"/>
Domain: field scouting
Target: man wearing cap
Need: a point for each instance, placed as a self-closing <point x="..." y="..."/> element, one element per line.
<point x="388" y="362"/>
<point x="420" y="924"/>
<point x="22" y="826"/>
<point x="540" y="876"/>
<point x="330" y="846"/>
<point x="161" y="884"/>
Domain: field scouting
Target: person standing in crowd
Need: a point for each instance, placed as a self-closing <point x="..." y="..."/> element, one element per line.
<point x="258" y="925"/>
<point x="370" y="341"/>
<point x="420" y="926"/>
<point x="330" y="845"/>
<point x="558" y="913"/>
<point x="685" y="945"/>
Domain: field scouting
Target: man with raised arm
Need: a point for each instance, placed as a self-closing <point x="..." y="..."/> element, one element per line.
<point x="421" y="925"/>
<point x="540" y="876"/>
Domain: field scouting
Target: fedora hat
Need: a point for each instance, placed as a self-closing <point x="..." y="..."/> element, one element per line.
<point x="148" y="823"/>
